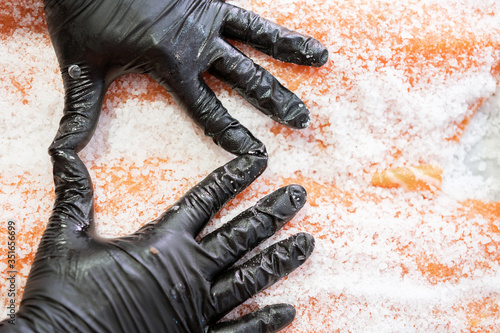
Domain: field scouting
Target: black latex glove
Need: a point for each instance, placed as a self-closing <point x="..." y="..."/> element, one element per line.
<point x="160" y="279"/>
<point x="175" y="42"/>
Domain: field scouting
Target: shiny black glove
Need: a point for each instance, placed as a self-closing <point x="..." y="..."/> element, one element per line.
<point x="175" y="42"/>
<point x="160" y="279"/>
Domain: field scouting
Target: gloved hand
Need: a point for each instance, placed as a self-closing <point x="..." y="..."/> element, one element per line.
<point x="160" y="279"/>
<point x="175" y="42"/>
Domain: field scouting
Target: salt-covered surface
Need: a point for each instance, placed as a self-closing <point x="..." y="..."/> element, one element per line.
<point x="403" y="79"/>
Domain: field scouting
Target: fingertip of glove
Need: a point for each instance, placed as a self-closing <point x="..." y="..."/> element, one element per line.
<point x="239" y="141"/>
<point x="298" y="116"/>
<point x="323" y="57"/>
<point x="320" y="54"/>
<point x="282" y="315"/>
<point x="283" y="204"/>
<point x="298" y="195"/>
<point x="305" y="244"/>
<point x="303" y="120"/>
<point x="253" y="164"/>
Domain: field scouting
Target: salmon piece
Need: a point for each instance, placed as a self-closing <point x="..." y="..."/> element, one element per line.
<point x="472" y="111"/>
<point x="425" y="177"/>
<point x="478" y="220"/>
<point x="482" y="314"/>
<point x="436" y="272"/>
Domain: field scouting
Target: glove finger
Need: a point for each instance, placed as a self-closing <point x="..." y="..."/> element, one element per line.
<point x="73" y="210"/>
<point x="193" y="211"/>
<point x="84" y="94"/>
<point x="207" y="111"/>
<point x="270" y="319"/>
<point x="260" y="272"/>
<point x="260" y="88"/>
<point x="230" y="242"/>
<point x="273" y="39"/>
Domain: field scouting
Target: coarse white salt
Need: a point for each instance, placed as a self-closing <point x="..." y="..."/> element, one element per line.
<point x="402" y="76"/>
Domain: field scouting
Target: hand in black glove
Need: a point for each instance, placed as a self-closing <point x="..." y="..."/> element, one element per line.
<point x="175" y="42"/>
<point x="160" y="279"/>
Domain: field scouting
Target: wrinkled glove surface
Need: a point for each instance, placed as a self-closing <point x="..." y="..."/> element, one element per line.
<point x="160" y="279"/>
<point x="175" y="42"/>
